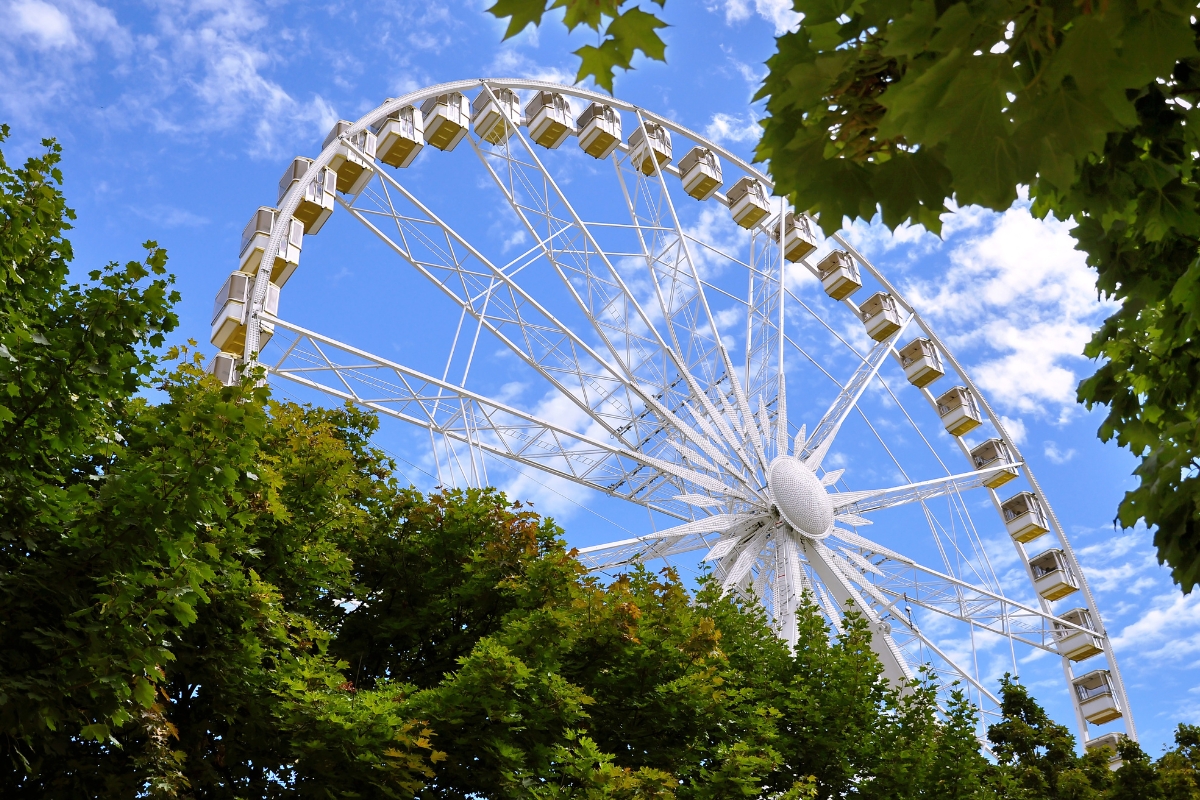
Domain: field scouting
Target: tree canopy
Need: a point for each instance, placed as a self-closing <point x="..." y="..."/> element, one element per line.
<point x="896" y="107"/>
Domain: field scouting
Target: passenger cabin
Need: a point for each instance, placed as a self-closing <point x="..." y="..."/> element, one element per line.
<point x="1024" y="517"/>
<point x="225" y="367"/>
<point x="839" y="275"/>
<point x="700" y="171"/>
<point x="599" y="130"/>
<point x="748" y="202"/>
<point x="497" y="114"/>
<point x="921" y="362"/>
<point x="400" y="137"/>
<point x="1052" y="576"/>
<point x="1076" y="644"/>
<point x="993" y="454"/>
<point x="1097" y="700"/>
<point x="548" y="115"/>
<point x="316" y="202"/>
<point x="446" y="117"/>
<point x="880" y="316"/>
<point x="650" y="149"/>
<point x="257" y="234"/>
<point x="1109" y="742"/>
<point x="230" y="309"/>
<point x="354" y="158"/>
<point x="959" y="412"/>
<point x="798" y="240"/>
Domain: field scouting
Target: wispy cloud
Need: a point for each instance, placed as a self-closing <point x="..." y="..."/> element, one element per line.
<point x="777" y="12"/>
<point x="189" y="70"/>
<point x="727" y="128"/>
<point x="1057" y="455"/>
<point x="1022" y="300"/>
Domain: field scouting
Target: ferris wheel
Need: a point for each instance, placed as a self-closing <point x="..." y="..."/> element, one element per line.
<point x="637" y="315"/>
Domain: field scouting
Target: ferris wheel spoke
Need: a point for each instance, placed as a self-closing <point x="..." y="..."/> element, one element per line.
<point x="465" y="416"/>
<point x="764" y="339"/>
<point x="817" y="446"/>
<point x="641" y="549"/>
<point x="885" y="607"/>
<point x="598" y="289"/>
<point x="824" y="563"/>
<point x="686" y="315"/>
<point x="495" y="301"/>
<point x="866" y="501"/>
<point x="901" y="578"/>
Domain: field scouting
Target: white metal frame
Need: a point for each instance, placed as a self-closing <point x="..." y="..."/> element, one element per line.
<point x="690" y="434"/>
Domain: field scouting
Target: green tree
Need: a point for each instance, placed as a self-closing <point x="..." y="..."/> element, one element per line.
<point x="896" y="106"/>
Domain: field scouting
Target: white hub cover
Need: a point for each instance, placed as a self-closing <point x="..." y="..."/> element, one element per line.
<point x="800" y="497"/>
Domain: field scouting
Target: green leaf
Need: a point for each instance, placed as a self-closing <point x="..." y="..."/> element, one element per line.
<point x="143" y="692"/>
<point x="521" y="13"/>
<point x="637" y="30"/>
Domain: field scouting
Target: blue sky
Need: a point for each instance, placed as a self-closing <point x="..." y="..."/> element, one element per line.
<point x="178" y="118"/>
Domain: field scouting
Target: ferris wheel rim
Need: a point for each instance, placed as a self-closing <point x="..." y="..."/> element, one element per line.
<point x="287" y="207"/>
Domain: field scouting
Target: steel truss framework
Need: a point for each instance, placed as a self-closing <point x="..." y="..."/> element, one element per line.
<point x="672" y="423"/>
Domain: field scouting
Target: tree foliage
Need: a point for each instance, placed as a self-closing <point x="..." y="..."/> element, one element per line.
<point x="623" y="30"/>
<point x="897" y="106"/>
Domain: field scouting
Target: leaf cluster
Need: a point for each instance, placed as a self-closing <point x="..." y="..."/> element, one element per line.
<point x="623" y="30"/>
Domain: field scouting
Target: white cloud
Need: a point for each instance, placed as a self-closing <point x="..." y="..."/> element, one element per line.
<point x="1020" y="296"/>
<point x="1015" y="428"/>
<point x="725" y="128"/>
<point x="1058" y="456"/>
<point x="511" y="63"/>
<point x="195" y="69"/>
<point x="777" y="12"/>
<point x="46" y="25"/>
<point x="1170" y="629"/>
<point x="44" y="47"/>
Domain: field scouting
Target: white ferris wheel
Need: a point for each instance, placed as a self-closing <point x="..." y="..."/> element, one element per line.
<point x="682" y="341"/>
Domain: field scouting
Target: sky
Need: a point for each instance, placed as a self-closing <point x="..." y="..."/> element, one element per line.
<point x="177" y="119"/>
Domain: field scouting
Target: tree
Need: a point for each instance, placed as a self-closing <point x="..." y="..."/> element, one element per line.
<point x="896" y="106"/>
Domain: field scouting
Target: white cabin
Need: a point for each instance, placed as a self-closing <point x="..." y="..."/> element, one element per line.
<point x="839" y="275"/>
<point x="226" y="366"/>
<point x="700" y="171"/>
<point x="1052" y="577"/>
<point x="317" y="201"/>
<point x="1097" y="700"/>
<point x="496" y="119"/>
<point x="921" y="362"/>
<point x="354" y="159"/>
<point x="257" y="234"/>
<point x="230" y="309"/>
<point x="599" y="130"/>
<point x="880" y="316"/>
<point x="446" y="118"/>
<point x="959" y="412"/>
<point x="994" y="454"/>
<point x="649" y="151"/>
<point x="1107" y="742"/>
<point x="548" y="115"/>
<point x="798" y="239"/>
<point x="400" y="137"/>
<point x="1024" y="517"/>
<point x="1075" y="644"/>
<point x="748" y="202"/>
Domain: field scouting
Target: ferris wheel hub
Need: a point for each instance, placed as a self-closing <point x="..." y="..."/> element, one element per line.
<point x="801" y="499"/>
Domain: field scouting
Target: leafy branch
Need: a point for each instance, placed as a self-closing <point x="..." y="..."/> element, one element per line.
<point x="622" y="33"/>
